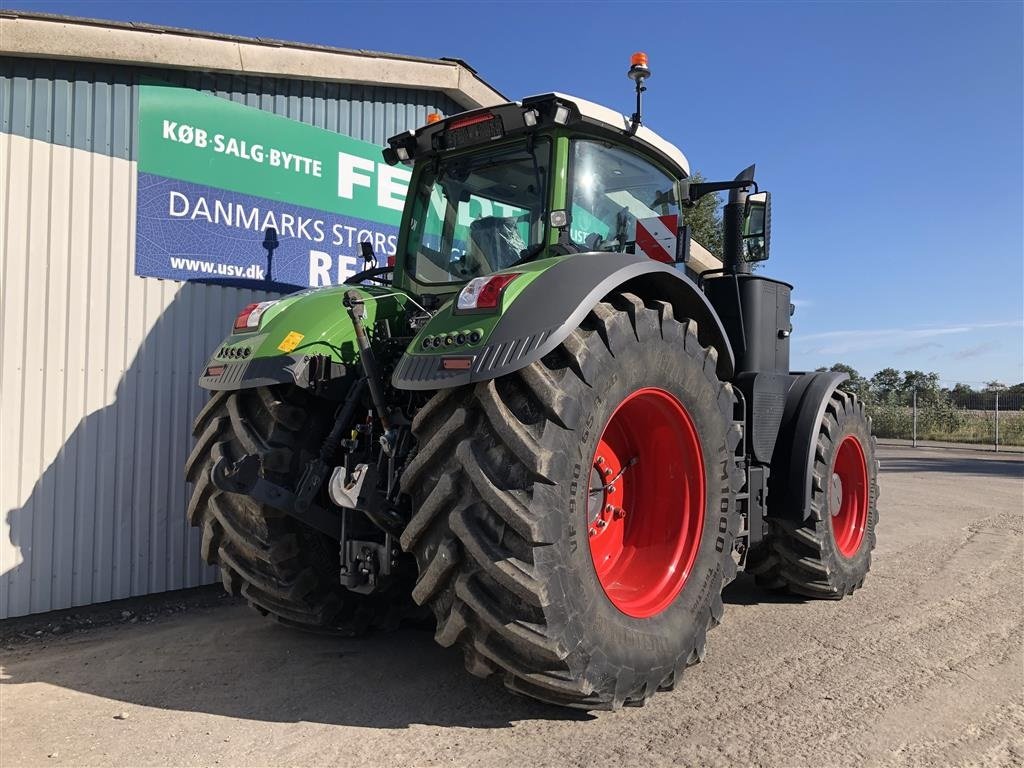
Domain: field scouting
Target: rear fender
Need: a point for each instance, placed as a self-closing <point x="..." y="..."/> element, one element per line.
<point x="307" y="326"/>
<point x="536" y="319"/>
<point x="792" y="465"/>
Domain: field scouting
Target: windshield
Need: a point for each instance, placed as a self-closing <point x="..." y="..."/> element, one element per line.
<point x="479" y="213"/>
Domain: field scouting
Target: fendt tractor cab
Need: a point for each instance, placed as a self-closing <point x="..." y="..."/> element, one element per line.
<point x="541" y="422"/>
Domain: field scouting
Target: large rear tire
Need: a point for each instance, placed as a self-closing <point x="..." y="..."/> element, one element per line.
<point x="284" y="568"/>
<point x="504" y="517"/>
<point x="829" y="554"/>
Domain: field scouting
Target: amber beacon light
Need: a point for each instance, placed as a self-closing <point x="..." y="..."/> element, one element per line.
<point x="638" y="69"/>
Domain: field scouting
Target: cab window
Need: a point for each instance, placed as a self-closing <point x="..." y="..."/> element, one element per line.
<point x="479" y="213"/>
<point x="612" y="188"/>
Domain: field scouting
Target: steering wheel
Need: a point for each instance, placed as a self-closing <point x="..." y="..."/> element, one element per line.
<point x="378" y="275"/>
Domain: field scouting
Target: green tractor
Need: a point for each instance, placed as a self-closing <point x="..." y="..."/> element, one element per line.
<point x="539" y="422"/>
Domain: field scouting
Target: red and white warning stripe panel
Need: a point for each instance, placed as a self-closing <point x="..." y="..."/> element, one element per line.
<point x="656" y="238"/>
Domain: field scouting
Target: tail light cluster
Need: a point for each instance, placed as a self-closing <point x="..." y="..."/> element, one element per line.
<point x="249" y="318"/>
<point x="484" y="292"/>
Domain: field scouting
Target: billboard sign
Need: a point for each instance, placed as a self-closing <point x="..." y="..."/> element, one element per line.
<point x="232" y="194"/>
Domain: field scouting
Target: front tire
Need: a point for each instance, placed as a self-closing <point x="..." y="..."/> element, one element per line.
<point x="829" y="554"/>
<point x="503" y="512"/>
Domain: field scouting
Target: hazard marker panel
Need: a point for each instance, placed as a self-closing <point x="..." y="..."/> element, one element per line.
<point x="656" y="238"/>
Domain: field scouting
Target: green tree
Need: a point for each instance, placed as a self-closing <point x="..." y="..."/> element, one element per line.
<point x="886" y="384"/>
<point x="926" y="385"/>
<point x="856" y="384"/>
<point x="962" y="394"/>
<point x="705" y="220"/>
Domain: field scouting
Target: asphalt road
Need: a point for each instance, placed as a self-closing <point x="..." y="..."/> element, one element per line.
<point x="923" y="667"/>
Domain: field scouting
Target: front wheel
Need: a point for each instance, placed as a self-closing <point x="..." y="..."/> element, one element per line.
<point x="574" y="520"/>
<point x="828" y="555"/>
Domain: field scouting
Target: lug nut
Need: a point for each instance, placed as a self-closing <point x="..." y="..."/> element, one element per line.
<point x="607" y="471"/>
<point x="609" y="508"/>
<point x="600" y="459"/>
<point x="601" y="523"/>
<point x="593" y="531"/>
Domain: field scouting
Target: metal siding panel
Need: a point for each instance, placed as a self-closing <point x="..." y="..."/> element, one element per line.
<point x="100" y="362"/>
<point x="60" y="476"/>
<point x="82" y="456"/>
<point x="33" y="425"/>
<point x="6" y="91"/>
<point x="81" y="114"/>
<point x="122" y="118"/>
<point x="124" y="338"/>
<point x="17" y="545"/>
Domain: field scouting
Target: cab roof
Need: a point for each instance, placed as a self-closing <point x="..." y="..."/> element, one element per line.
<point x="617" y="121"/>
<point x="480" y="126"/>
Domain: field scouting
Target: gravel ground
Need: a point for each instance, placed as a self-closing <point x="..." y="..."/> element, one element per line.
<point x="923" y="667"/>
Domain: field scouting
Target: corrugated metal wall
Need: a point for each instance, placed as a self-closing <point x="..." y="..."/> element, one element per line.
<point x="95" y="106"/>
<point x="97" y="366"/>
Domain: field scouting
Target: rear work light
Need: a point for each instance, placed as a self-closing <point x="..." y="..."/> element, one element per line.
<point x="249" y="318"/>
<point x="484" y="292"/>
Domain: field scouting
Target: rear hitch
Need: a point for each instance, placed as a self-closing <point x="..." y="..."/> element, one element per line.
<point x="243" y="477"/>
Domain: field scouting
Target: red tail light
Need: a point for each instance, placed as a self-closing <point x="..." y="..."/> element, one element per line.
<point x="243" y="316"/>
<point x="484" y="292"/>
<point x="249" y="318"/>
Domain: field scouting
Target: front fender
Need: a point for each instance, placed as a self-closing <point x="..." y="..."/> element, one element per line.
<point x="792" y="466"/>
<point x="557" y="297"/>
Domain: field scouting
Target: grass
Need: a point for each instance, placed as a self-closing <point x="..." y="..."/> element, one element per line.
<point x="945" y="423"/>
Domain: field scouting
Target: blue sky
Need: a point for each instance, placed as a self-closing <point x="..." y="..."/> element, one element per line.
<point x="890" y="136"/>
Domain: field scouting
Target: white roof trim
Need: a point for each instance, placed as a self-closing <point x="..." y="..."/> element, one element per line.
<point x="621" y="122"/>
<point x="64" y="37"/>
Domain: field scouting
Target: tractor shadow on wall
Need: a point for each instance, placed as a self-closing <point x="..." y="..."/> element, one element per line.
<point x="105" y="518"/>
<point x="92" y="530"/>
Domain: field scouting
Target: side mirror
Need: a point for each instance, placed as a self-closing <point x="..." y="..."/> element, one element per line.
<point x="757" y="225"/>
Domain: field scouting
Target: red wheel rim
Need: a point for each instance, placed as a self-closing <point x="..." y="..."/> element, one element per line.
<point x="849" y="496"/>
<point x="646" y="502"/>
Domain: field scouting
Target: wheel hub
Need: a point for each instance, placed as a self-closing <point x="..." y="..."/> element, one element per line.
<point x="645" y="504"/>
<point x="836" y="493"/>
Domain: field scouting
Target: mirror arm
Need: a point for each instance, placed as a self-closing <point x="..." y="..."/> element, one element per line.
<point x="691" y="193"/>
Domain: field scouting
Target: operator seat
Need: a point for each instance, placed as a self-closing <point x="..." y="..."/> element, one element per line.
<point x="495" y="242"/>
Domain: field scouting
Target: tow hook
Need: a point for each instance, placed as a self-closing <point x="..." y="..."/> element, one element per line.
<point x="346" y="489"/>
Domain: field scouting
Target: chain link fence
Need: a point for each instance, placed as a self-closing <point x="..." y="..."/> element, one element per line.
<point x="990" y="418"/>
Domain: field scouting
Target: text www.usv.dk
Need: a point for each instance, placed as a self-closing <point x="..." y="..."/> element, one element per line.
<point x="252" y="272"/>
